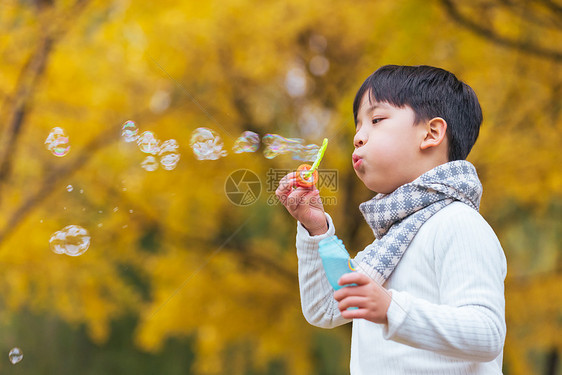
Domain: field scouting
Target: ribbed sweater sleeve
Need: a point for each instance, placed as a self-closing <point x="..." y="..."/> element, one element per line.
<point x="317" y="295"/>
<point x="469" y="320"/>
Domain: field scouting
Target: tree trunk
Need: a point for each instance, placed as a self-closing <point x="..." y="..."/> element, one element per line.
<point x="552" y="362"/>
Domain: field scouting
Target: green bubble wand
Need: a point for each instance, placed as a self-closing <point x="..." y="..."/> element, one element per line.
<point x="307" y="176"/>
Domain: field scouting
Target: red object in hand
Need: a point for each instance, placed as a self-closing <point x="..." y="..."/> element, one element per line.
<point x="302" y="180"/>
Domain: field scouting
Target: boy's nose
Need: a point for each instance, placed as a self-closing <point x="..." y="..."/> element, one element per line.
<point x="358" y="141"/>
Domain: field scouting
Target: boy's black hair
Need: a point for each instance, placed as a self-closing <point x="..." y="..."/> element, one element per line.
<point x="430" y="92"/>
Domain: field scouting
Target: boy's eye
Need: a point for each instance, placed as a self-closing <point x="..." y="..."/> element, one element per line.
<point x="377" y="120"/>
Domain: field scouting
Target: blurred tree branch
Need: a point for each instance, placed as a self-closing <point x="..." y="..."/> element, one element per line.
<point x="493" y="35"/>
<point x="28" y="79"/>
<point x="48" y="184"/>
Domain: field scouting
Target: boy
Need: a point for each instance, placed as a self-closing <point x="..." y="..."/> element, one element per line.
<point x="429" y="293"/>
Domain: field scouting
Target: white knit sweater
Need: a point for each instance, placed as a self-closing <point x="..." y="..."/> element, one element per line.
<point x="447" y="314"/>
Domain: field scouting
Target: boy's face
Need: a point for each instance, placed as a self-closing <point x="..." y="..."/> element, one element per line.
<point x="387" y="145"/>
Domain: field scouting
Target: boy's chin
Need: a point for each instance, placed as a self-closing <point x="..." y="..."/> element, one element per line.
<point x="368" y="185"/>
<point x="379" y="188"/>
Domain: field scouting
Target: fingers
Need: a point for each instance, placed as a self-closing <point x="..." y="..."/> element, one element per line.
<point x="292" y="198"/>
<point x="353" y="301"/>
<point x="354" y="278"/>
<point x="296" y="198"/>
<point x="361" y="284"/>
<point x="285" y="187"/>
<point x="355" y="313"/>
<point x="341" y="294"/>
<point x="365" y="300"/>
<point x="313" y="198"/>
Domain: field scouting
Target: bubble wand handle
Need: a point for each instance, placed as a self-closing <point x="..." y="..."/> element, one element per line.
<point x="319" y="157"/>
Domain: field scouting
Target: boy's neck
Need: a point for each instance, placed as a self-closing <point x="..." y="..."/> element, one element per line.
<point x="432" y="157"/>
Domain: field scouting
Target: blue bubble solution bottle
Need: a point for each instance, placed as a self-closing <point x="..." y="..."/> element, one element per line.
<point x="335" y="259"/>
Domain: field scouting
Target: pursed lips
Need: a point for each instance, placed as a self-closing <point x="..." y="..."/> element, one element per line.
<point x="356" y="160"/>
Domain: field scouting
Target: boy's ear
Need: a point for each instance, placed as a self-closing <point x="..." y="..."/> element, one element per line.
<point x="435" y="132"/>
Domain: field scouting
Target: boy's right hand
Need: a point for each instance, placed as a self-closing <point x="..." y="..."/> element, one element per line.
<point x="304" y="204"/>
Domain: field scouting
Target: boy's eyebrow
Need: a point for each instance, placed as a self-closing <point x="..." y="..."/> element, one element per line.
<point x="374" y="106"/>
<point x="378" y="105"/>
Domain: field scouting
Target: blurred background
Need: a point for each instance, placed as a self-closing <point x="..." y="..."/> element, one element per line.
<point x="177" y="278"/>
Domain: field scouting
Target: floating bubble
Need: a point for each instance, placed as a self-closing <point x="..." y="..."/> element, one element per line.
<point x="306" y="153"/>
<point x="15" y="355"/>
<point x="207" y="144"/>
<point x="276" y="145"/>
<point x="130" y="131"/>
<point x="148" y="143"/>
<point x="72" y="240"/>
<point x="169" y="154"/>
<point x="69" y="188"/>
<point x="57" y="142"/>
<point x="57" y="242"/>
<point x="149" y="164"/>
<point x="247" y="142"/>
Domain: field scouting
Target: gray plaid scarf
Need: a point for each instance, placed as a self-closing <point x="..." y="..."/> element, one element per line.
<point x="396" y="217"/>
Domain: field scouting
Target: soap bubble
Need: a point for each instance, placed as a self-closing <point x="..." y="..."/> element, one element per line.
<point x="57" y="242"/>
<point x="130" y="132"/>
<point x="149" y="164"/>
<point x="276" y="145"/>
<point x="57" y="142"/>
<point x="69" y="188"/>
<point x="71" y="240"/>
<point x="148" y="143"/>
<point x="169" y="154"/>
<point x="247" y="142"/>
<point x="207" y="144"/>
<point x="306" y="153"/>
<point x="16" y="355"/>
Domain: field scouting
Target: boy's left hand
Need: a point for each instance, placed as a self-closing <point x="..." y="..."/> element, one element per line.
<point x="371" y="299"/>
